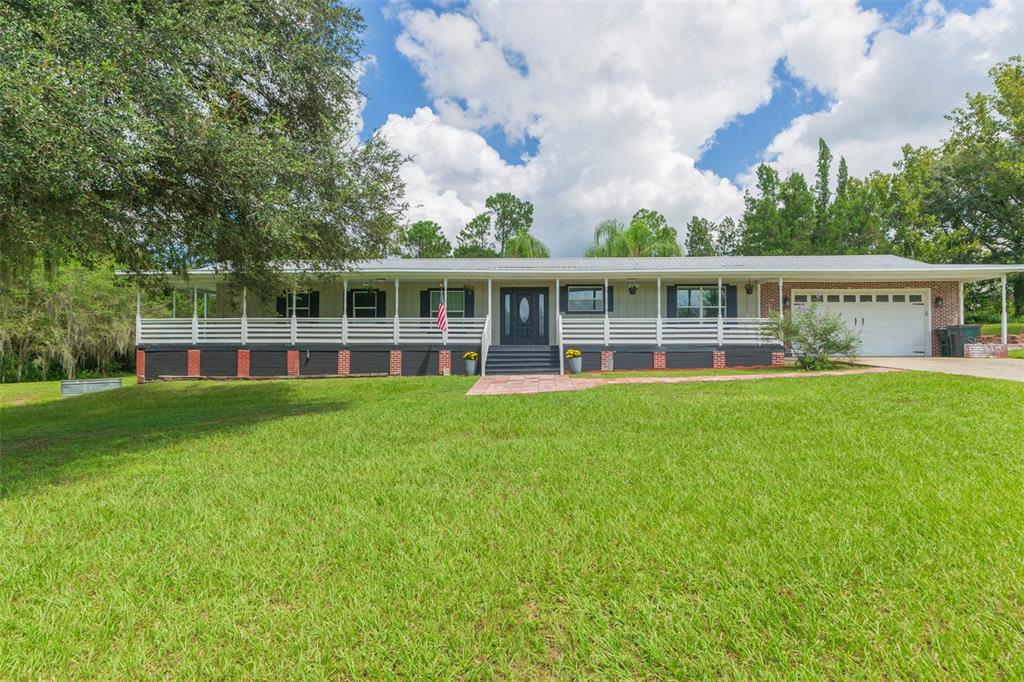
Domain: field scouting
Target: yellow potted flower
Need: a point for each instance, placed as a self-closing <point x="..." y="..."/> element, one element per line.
<point x="575" y="358"/>
<point x="471" y="357"/>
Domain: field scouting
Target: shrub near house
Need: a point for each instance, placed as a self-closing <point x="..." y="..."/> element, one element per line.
<point x="814" y="337"/>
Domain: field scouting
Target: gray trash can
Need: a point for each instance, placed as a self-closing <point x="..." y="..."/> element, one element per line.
<point x="962" y="334"/>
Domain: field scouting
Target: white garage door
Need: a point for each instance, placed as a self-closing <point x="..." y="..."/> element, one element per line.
<point x="888" y="322"/>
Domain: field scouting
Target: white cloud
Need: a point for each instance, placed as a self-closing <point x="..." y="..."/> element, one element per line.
<point x="621" y="99"/>
<point x="900" y="91"/>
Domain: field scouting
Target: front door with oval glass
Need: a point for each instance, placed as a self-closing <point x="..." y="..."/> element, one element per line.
<point x="524" y="317"/>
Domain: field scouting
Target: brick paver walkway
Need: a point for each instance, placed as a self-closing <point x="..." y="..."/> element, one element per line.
<point x="510" y="384"/>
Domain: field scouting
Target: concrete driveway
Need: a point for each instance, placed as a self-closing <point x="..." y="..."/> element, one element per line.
<point x="989" y="368"/>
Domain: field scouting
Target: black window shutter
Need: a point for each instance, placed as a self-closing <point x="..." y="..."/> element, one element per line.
<point x="314" y="304"/>
<point x="348" y="303"/>
<point x="382" y="303"/>
<point x="425" y="303"/>
<point x="470" y="303"/>
<point x="611" y="299"/>
<point x="282" y="306"/>
<point x="563" y="299"/>
<point x="672" y="309"/>
<point x="730" y="301"/>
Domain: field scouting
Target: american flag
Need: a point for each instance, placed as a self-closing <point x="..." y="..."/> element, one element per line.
<point x="442" y="314"/>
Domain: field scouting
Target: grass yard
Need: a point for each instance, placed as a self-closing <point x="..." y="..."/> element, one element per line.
<point x="621" y="374"/>
<point x="39" y="391"/>
<point x="1017" y="353"/>
<point x="860" y="526"/>
<point x="997" y="328"/>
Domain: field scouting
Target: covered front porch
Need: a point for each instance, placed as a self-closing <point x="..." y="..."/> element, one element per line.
<point x="610" y="312"/>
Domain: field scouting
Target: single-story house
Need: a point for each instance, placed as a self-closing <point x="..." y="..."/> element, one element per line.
<point x="520" y="314"/>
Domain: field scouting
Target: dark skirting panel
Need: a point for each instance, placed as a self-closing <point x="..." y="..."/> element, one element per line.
<point x="591" y="361"/>
<point x="166" y="363"/>
<point x="688" y="359"/>
<point x="218" y="363"/>
<point x="748" y="357"/>
<point x="418" y="363"/>
<point x="458" y="364"/>
<point x="268" y="363"/>
<point x="318" y="363"/>
<point x="633" y="360"/>
<point x="369" y="362"/>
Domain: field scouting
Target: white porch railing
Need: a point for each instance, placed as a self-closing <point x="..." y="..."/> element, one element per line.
<point x="250" y="330"/>
<point x="673" y="331"/>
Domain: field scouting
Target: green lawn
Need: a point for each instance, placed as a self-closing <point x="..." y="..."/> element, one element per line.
<point x="39" y="391"/>
<point x="861" y="526"/>
<point x="997" y="328"/>
<point x="1017" y="353"/>
<point x="620" y="374"/>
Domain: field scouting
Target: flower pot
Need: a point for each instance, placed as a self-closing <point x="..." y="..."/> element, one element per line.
<point x="576" y="365"/>
<point x="471" y="367"/>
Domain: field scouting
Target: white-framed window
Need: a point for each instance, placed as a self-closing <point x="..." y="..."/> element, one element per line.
<point x="697" y="302"/>
<point x="585" y="299"/>
<point x="364" y="303"/>
<point x="456" y="302"/>
<point x="298" y="304"/>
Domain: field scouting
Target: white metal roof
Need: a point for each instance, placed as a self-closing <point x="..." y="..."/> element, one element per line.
<point x="877" y="268"/>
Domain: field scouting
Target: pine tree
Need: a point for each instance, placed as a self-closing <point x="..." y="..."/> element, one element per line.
<point x="698" y="237"/>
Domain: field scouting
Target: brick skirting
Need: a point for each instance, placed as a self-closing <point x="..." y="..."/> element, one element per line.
<point x="659" y="359"/>
<point x="395" y="363"/>
<point x="718" y="360"/>
<point x="344" y="362"/>
<point x="193" y="362"/>
<point x="607" y="360"/>
<point x="293" y="363"/>
<point x="140" y="366"/>
<point x="243" y="362"/>
<point x="444" y="362"/>
<point x="778" y="359"/>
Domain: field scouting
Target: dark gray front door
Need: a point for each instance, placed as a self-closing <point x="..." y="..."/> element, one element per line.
<point x="524" y="317"/>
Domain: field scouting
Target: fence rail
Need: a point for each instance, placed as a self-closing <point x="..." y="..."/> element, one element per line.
<point x="306" y="330"/>
<point x="647" y="330"/>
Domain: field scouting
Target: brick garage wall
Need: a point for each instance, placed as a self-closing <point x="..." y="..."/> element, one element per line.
<point x="948" y="314"/>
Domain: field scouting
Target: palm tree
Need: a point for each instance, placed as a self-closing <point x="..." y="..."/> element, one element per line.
<point x="525" y="245"/>
<point x="648" y="234"/>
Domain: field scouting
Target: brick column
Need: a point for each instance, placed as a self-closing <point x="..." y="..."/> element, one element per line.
<point x="344" y="362"/>
<point x="193" y="362"/>
<point x="778" y="359"/>
<point x="718" y="359"/>
<point x="293" y="363"/>
<point x="659" y="359"/>
<point x="140" y="366"/>
<point x="444" y="362"/>
<point x="607" y="360"/>
<point x="395" y="363"/>
<point x="243" y="362"/>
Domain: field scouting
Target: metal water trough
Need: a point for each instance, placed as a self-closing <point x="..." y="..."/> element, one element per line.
<point x="80" y="386"/>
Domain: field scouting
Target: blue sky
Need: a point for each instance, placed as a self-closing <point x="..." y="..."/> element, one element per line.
<point x="713" y="94"/>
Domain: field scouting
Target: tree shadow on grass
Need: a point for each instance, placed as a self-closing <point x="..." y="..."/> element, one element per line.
<point x="61" y="441"/>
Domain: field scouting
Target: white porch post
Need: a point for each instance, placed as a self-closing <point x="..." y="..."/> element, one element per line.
<point x="138" y="317"/>
<point x="657" y="328"/>
<point x="395" y="331"/>
<point x="721" y="311"/>
<point x="444" y="334"/>
<point x="607" y="322"/>
<point x="344" y="312"/>
<point x="245" y="318"/>
<point x="489" y="298"/>
<point x="557" y="308"/>
<point x="1003" y="282"/>
<point x="961" y="302"/>
<point x="205" y="305"/>
<point x="294" y="322"/>
<point x="782" y="310"/>
<point x="195" y="316"/>
<point x="174" y="302"/>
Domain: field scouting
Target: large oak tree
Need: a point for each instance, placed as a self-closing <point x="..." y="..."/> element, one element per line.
<point x="164" y="135"/>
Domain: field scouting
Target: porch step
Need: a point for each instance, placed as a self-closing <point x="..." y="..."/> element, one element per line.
<point x="522" y="360"/>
